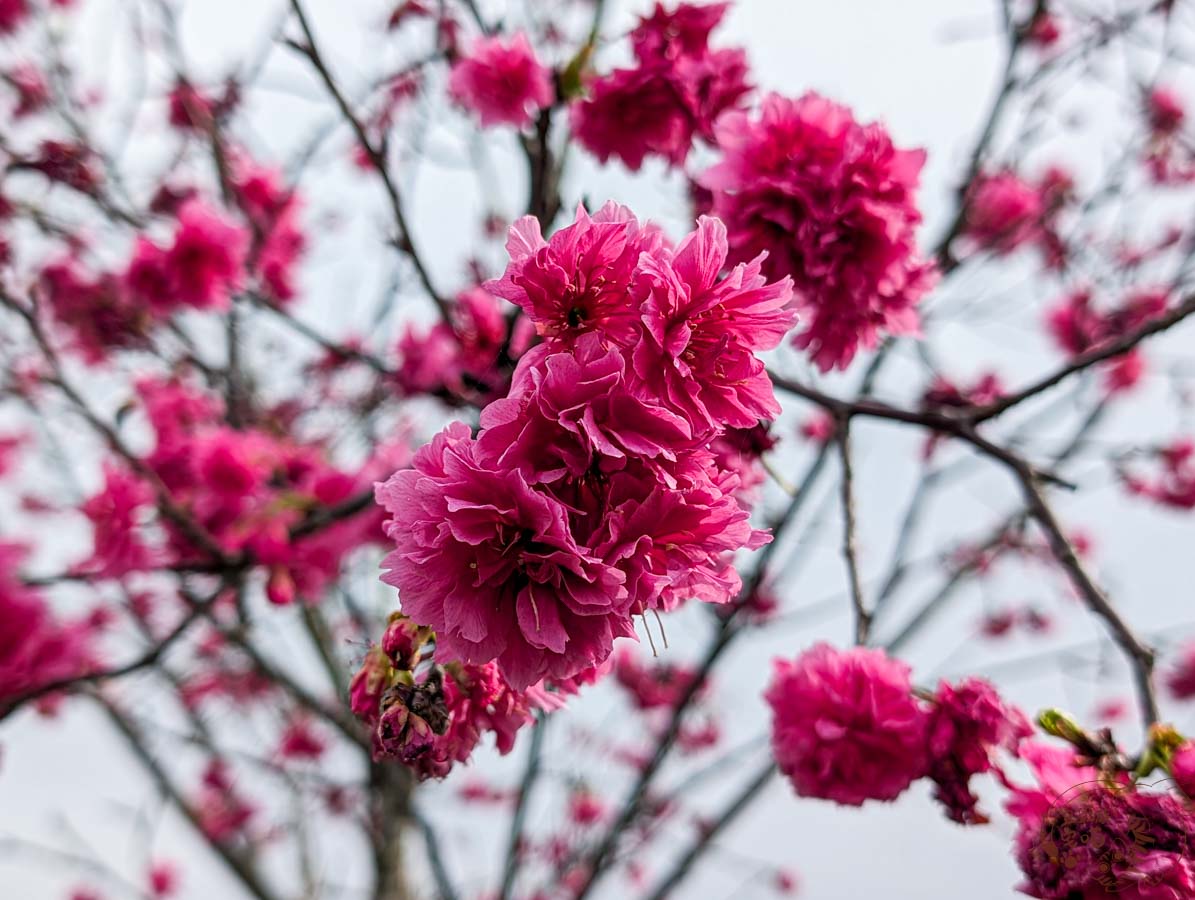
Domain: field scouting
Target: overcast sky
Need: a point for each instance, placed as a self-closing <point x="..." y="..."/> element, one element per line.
<point x="928" y="68"/>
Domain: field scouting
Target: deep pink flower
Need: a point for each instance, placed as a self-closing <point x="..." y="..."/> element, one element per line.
<point x="654" y="685"/>
<point x="282" y="248"/>
<point x="1181" y="679"/>
<point x="581" y="279"/>
<point x="1004" y="212"/>
<point x="676" y="541"/>
<point x="147" y="278"/>
<point x="301" y="739"/>
<point x="1044" y="31"/>
<point x="190" y="109"/>
<point x="1165" y="111"/>
<point x="72" y="164"/>
<point x="969" y="724"/>
<point x="35" y="649"/>
<point x="96" y="312"/>
<point x="205" y="261"/>
<point x="1182" y="768"/>
<point x="675" y="92"/>
<point x="461" y="358"/>
<point x="632" y="114"/>
<point x="1078" y="326"/>
<point x="846" y="726"/>
<point x="30" y="87"/>
<point x="740" y="450"/>
<point x="428" y="360"/>
<point x="12" y="14"/>
<point x="491" y="565"/>
<point x="576" y="414"/>
<point x="1056" y="771"/>
<point x="585" y="808"/>
<point x="833" y="204"/>
<point x="223" y="813"/>
<point x="681" y="31"/>
<point x="1096" y="842"/>
<point x="501" y="80"/>
<point x="430" y="724"/>
<point x="163" y="879"/>
<point x="819" y="428"/>
<point x="702" y="332"/>
<point x="119" y="546"/>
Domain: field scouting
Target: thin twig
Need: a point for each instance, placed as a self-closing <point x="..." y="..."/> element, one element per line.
<point x="849" y="550"/>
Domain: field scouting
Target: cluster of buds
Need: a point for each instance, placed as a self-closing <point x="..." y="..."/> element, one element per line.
<point x="405" y="712"/>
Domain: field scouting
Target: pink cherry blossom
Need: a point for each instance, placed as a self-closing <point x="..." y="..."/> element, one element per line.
<point x="674" y="93"/>
<point x="492" y="566"/>
<point x="582" y="278"/>
<point x="970" y="724"/>
<point x="702" y="331"/>
<point x="12" y="14"/>
<point x="502" y="81"/>
<point x="1182" y="768"/>
<point x="833" y="204"/>
<point x="846" y="726"/>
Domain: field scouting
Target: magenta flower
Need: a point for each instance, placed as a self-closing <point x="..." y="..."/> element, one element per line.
<point x="1097" y="841"/>
<point x="119" y="545"/>
<point x="1182" y="768"/>
<point x="576" y="414"/>
<point x="833" y="204"/>
<point x="163" y="878"/>
<point x="969" y="724"/>
<point x="205" y="261"/>
<point x="502" y="81"/>
<point x="35" y="649"/>
<point x="1165" y="110"/>
<point x="675" y="92"/>
<point x="632" y="114"/>
<point x="1004" y="212"/>
<point x="846" y="726"/>
<point x="1181" y="679"/>
<point x="581" y="279"/>
<point x="702" y="333"/>
<point x="491" y="565"/>
<point x="676" y="541"/>
<point x="12" y="14"/>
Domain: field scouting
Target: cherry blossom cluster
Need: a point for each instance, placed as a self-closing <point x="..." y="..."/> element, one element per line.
<point x="1082" y="833"/>
<point x="1078" y="324"/>
<point x="833" y="204"/>
<point x="248" y="490"/>
<point x="848" y="726"/>
<point x="592" y="492"/>
<point x="36" y="648"/>
<point x="1172" y="482"/>
<point x="675" y="92"/>
<point x="1005" y="212"/>
<point x="208" y="257"/>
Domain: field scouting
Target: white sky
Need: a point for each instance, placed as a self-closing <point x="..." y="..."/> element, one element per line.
<point x="927" y="68"/>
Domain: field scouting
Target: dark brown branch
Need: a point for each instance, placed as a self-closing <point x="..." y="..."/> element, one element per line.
<point x="953" y="424"/>
<point x="1085" y="360"/>
<point x="1141" y="657"/>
